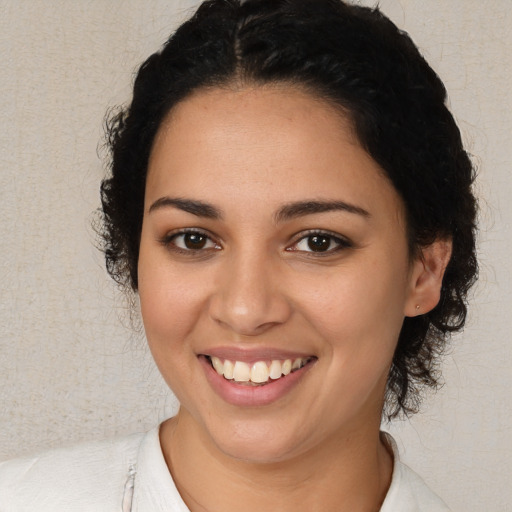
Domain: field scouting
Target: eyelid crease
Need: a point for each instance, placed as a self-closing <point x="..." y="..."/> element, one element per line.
<point x="322" y="232"/>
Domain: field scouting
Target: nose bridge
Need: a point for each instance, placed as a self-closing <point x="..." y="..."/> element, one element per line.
<point x="249" y="298"/>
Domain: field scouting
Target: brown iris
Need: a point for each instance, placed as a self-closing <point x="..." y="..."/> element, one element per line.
<point x="318" y="243"/>
<point x="194" y="241"/>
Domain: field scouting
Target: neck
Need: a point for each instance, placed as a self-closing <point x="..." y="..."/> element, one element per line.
<point x="348" y="472"/>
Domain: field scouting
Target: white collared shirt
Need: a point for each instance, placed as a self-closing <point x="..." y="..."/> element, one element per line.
<point x="130" y="474"/>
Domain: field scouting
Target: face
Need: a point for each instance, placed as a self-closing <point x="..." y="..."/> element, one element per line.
<point x="271" y="239"/>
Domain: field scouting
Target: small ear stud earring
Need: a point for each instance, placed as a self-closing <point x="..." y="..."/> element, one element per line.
<point x="417" y="306"/>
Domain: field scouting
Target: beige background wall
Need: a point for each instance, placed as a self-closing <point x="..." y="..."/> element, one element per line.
<point x="70" y="366"/>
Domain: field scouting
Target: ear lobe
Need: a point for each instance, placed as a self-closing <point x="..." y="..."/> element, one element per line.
<point x="426" y="277"/>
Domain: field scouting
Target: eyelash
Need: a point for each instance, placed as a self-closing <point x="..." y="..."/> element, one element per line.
<point x="341" y="243"/>
<point x="169" y="241"/>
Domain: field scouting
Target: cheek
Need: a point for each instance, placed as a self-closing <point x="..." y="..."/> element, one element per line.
<point x="358" y="304"/>
<point x="170" y="304"/>
<point x="170" y="308"/>
<point x="358" y="315"/>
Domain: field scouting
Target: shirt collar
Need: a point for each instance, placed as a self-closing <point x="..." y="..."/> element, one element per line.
<point x="154" y="489"/>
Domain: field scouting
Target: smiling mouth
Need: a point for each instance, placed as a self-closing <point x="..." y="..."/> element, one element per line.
<point x="259" y="373"/>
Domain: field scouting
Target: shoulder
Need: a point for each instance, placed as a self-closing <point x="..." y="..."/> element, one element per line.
<point x="408" y="491"/>
<point x="90" y="476"/>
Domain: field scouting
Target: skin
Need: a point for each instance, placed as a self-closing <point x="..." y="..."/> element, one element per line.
<point x="256" y="285"/>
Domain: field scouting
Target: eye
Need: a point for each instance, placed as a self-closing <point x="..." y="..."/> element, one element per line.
<point x="318" y="242"/>
<point x="188" y="241"/>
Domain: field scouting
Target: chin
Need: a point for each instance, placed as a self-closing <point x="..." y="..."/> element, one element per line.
<point x="256" y="452"/>
<point x="256" y="443"/>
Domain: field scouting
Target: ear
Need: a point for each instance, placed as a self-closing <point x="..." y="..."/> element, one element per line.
<point x="426" y="277"/>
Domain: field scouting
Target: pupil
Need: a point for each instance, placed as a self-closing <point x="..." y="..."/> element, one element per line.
<point x="319" y="243"/>
<point x="195" y="241"/>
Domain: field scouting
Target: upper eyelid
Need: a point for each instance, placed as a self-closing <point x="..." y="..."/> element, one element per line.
<point x="167" y="237"/>
<point x="311" y="232"/>
<point x="184" y="231"/>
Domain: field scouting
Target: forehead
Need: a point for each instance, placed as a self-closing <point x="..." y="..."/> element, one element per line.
<point x="238" y="113"/>
<point x="276" y="142"/>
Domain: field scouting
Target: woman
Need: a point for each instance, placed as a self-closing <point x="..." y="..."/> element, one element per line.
<point x="290" y="199"/>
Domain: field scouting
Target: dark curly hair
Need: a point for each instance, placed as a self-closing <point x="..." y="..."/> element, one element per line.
<point x="359" y="61"/>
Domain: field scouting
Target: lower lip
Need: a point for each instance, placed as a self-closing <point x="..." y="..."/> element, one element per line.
<point x="251" y="396"/>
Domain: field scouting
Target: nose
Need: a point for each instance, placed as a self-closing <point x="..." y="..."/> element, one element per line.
<point x="250" y="297"/>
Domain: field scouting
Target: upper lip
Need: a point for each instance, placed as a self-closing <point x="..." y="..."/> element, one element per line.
<point x="252" y="355"/>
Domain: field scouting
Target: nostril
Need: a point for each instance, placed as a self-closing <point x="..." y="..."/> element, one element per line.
<point x="250" y="319"/>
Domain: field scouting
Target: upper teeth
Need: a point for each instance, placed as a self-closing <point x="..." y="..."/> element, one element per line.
<point x="259" y="372"/>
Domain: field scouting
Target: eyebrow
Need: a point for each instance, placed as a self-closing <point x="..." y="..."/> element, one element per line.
<point x="198" y="208"/>
<point x="301" y="208"/>
<point x="287" y="212"/>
